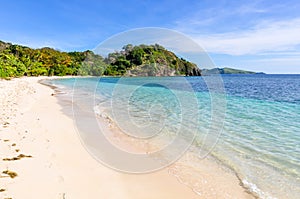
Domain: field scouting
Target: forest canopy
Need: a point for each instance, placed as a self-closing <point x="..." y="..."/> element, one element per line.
<point x="142" y="60"/>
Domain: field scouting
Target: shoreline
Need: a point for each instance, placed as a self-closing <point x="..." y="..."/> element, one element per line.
<point x="60" y="167"/>
<point x="179" y="169"/>
<point x="114" y="134"/>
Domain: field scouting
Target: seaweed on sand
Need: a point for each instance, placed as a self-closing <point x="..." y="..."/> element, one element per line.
<point x="11" y="174"/>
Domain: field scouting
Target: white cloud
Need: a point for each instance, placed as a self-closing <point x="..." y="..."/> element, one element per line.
<point x="265" y="37"/>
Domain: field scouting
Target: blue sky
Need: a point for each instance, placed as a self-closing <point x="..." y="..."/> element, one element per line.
<point x="256" y="35"/>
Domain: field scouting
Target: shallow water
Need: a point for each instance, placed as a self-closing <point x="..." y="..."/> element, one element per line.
<point x="260" y="140"/>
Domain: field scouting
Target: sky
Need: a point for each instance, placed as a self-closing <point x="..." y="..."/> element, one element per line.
<point x="256" y="35"/>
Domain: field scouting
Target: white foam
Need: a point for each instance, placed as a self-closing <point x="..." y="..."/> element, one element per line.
<point x="254" y="189"/>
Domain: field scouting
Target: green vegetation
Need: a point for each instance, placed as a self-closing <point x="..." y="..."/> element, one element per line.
<point x="16" y="61"/>
<point x="148" y="60"/>
<point x="235" y="71"/>
<point x="142" y="60"/>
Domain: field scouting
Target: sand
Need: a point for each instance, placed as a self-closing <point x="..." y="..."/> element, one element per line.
<point x="54" y="164"/>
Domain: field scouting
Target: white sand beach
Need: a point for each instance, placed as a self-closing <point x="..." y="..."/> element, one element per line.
<point x="40" y="145"/>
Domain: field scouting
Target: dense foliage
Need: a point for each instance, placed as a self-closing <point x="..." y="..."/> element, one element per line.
<point x="142" y="60"/>
<point x="148" y="60"/>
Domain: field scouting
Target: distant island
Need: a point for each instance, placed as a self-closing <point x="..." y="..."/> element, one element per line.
<point x="141" y="60"/>
<point x="228" y="71"/>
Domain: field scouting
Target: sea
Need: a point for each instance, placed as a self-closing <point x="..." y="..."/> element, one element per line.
<point x="257" y="134"/>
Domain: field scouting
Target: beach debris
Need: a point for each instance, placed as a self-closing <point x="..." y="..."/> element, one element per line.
<point x="5" y="124"/>
<point x="11" y="174"/>
<point x="11" y="159"/>
<point x="5" y="140"/>
<point x="24" y="156"/>
<point x="14" y="144"/>
<point x="17" y="150"/>
<point x="17" y="158"/>
<point x="63" y="195"/>
<point x="2" y="190"/>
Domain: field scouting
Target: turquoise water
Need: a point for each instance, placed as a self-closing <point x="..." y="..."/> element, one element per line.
<point x="260" y="139"/>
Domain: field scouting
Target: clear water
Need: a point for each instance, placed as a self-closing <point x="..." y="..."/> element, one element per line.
<point x="260" y="140"/>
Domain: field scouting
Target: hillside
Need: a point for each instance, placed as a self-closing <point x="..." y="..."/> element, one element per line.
<point x="149" y="60"/>
<point x="142" y="60"/>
